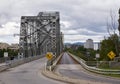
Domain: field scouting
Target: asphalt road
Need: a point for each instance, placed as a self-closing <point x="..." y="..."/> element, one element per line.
<point x="28" y="73"/>
<point x="76" y="71"/>
<point x="66" y="59"/>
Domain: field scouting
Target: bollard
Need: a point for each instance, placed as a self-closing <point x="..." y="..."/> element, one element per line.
<point x="50" y="68"/>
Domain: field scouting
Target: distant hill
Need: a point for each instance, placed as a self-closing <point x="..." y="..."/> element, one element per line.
<point x="76" y="43"/>
<point x="67" y="43"/>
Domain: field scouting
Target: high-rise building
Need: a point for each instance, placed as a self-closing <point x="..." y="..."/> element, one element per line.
<point x="40" y="34"/>
<point x="89" y="44"/>
<point x="96" y="45"/>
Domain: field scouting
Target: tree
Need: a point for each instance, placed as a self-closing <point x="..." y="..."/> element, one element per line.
<point x="107" y="45"/>
<point x="11" y="53"/>
<point x="112" y="31"/>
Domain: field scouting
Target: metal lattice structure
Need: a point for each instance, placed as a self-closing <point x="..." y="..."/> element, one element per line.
<point x="40" y="34"/>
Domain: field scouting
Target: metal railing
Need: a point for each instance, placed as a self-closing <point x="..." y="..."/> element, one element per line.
<point x="94" y="69"/>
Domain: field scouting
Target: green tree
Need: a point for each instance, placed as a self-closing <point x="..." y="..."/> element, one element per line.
<point x="11" y="53"/>
<point x="108" y="45"/>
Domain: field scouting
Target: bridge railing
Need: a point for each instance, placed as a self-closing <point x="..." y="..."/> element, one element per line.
<point x="94" y="69"/>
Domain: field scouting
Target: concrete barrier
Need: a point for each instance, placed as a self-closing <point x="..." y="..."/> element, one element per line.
<point x="17" y="62"/>
<point x="3" y="67"/>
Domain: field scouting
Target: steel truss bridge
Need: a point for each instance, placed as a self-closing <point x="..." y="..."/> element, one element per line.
<point x="40" y="34"/>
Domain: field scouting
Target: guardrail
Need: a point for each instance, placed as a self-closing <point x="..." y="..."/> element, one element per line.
<point x="94" y="69"/>
<point x="16" y="62"/>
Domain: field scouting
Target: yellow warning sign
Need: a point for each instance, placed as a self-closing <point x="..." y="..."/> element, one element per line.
<point x="49" y="55"/>
<point x="111" y="55"/>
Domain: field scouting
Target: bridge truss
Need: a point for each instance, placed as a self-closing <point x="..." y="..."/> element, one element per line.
<point x="40" y="34"/>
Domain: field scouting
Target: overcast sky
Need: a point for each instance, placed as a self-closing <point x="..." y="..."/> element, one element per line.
<point x="80" y="19"/>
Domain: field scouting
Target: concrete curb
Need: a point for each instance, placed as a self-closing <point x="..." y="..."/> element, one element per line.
<point x="65" y="79"/>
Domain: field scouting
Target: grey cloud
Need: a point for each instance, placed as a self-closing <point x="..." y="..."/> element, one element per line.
<point x="88" y="14"/>
<point x="4" y="17"/>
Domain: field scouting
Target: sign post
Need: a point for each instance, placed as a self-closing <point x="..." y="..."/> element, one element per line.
<point x="49" y="55"/>
<point x="5" y="54"/>
<point x="111" y="55"/>
<point x="97" y="56"/>
<point x="6" y="57"/>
